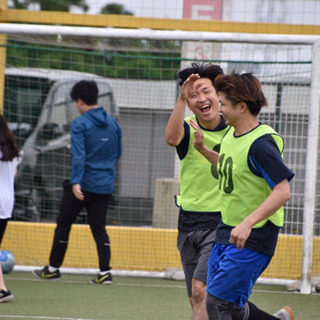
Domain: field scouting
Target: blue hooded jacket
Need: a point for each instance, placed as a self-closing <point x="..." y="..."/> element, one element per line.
<point x="96" y="146"/>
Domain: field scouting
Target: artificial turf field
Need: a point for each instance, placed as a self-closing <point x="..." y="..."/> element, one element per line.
<point x="74" y="298"/>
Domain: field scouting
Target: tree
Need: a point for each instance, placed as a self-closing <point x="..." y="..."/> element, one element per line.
<point x="114" y="8"/>
<point x="118" y="58"/>
<point x="51" y="5"/>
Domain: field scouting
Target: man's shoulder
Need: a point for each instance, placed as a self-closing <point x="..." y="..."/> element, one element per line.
<point x="78" y="120"/>
<point x="79" y="123"/>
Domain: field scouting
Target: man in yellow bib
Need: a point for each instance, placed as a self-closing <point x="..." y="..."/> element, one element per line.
<point x="254" y="186"/>
<point x="199" y="199"/>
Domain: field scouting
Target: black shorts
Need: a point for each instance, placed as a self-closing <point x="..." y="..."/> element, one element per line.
<point x="195" y="249"/>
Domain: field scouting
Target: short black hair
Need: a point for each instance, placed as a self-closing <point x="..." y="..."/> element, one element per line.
<point x="86" y="90"/>
<point x="205" y="70"/>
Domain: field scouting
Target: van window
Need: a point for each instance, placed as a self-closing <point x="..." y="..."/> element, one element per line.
<point x="24" y="97"/>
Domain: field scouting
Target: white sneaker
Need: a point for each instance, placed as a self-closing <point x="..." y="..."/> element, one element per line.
<point x="285" y="313"/>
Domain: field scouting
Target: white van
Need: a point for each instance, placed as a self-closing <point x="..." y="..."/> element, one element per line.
<point x="39" y="111"/>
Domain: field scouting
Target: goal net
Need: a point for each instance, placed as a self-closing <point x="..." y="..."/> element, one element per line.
<point x="138" y="85"/>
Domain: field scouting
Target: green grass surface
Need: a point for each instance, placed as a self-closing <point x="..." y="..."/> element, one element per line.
<point x="73" y="297"/>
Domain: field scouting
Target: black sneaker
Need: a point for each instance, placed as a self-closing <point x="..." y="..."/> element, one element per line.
<point x="106" y="279"/>
<point x="5" y="296"/>
<point x="44" y="273"/>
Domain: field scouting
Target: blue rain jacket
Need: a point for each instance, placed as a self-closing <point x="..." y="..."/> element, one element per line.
<point x="96" y="146"/>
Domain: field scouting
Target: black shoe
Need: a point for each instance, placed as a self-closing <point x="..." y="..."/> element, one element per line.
<point x="5" y="296"/>
<point x="106" y="279"/>
<point x="44" y="273"/>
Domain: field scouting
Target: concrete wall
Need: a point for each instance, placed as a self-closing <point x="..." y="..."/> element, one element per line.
<point x="165" y="212"/>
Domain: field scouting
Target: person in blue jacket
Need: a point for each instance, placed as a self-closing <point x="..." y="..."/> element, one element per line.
<point x="96" y="146"/>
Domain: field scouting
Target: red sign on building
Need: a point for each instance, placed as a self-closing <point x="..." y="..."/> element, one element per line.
<point x="202" y="9"/>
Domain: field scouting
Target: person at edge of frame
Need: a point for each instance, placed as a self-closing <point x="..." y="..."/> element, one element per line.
<point x="9" y="154"/>
<point x="254" y="186"/>
<point x="96" y="146"/>
<point x="199" y="201"/>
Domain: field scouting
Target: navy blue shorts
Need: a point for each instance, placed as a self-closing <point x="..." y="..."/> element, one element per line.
<point x="232" y="273"/>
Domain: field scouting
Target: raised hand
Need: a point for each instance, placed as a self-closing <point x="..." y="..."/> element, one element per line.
<point x="199" y="145"/>
<point x="187" y="86"/>
<point x="198" y="135"/>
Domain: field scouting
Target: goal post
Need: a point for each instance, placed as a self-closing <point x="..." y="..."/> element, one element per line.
<point x="311" y="177"/>
<point x="141" y="67"/>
